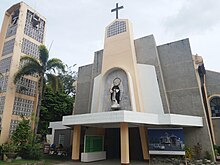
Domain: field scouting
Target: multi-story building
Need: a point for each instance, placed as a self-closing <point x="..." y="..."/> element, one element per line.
<point x="23" y="30"/>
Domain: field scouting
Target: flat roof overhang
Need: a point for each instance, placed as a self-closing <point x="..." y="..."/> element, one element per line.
<point x="113" y="118"/>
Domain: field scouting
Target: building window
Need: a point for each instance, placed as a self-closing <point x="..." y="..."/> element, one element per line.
<point x="215" y="106"/>
<point x="23" y="107"/>
<point x="11" y="30"/>
<point x="2" y="104"/>
<point x="26" y="87"/>
<point x="61" y="139"/>
<point x="34" y="26"/>
<point x="14" y="17"/>
<point x="29" y="48"/>
<point x="116" y="28"/>
<point x="5" y="65"/>
<point x="3" y="84"/>
<point x="8" y="47"/>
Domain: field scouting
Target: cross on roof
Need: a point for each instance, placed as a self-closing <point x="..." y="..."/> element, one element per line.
<point x="116" y="10"/>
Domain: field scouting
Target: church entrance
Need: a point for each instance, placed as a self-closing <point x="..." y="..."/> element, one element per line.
<point x="135" y="148"/>
<point x="112" y="143"/>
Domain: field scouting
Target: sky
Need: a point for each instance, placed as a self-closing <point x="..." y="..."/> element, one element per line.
<point x="76" y="27"/>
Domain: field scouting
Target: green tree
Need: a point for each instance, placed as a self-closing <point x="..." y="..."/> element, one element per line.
<point x="43" y="67"/>
<point x="23" y="138"/>
<point x="68" y="78"/>
<point x="22" y="134"/>
<point x="54" y="106"/>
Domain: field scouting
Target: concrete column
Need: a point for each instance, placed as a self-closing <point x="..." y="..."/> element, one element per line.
<point x="76" y="142"/>
<point x="144" y="142"/>
<point x="124" y="144"/>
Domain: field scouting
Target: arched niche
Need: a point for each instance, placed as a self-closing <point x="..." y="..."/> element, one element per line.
<point x="115" y="75"/>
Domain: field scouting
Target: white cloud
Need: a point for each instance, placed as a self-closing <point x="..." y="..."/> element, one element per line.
<point x="195" y="17"/>
<point x="77" y="26"/>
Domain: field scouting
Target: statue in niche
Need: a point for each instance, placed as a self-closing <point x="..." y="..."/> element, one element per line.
<point x="116" y="94"/>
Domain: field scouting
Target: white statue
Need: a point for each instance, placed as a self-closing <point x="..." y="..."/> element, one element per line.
<point x="116" y="94"/>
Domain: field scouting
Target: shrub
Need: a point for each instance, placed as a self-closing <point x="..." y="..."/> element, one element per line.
<point x="188" y="152"/>
<point x="217" y="150"/>
<point x="23" y="133"/>
<point x="31" y="151"/>
<point x="208" y="155"/>
<point x="9" y="147"/>
<point x="27" y="146"/>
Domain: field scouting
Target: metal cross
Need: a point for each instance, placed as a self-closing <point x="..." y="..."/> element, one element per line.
<point x="116" y="10"/>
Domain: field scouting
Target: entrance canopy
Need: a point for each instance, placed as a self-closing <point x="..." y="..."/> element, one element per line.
<point x="105" y="119"/>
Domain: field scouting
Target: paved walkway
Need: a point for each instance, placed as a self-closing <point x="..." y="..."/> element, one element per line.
<point x="117" y="162"/>
<point x="105" y="162"/>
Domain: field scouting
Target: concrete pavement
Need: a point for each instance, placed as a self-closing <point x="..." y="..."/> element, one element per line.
<point x="106" y="162"/>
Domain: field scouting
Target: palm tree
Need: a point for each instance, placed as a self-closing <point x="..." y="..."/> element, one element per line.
<point x="43" y="68"/>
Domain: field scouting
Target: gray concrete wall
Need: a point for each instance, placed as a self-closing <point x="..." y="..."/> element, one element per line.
<point x="146" y="52"/>
<point x="83" y="90"/>
<point x="183" y="92"/>
<point x="212" y="82"/>
<point x="180" y="78"/>
<point x="192" y="136"/>
<point x="97" y="64"/>
<point x="96" y="70"/>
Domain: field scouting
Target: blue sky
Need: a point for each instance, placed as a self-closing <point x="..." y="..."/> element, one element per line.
<point x="77" y="27"/>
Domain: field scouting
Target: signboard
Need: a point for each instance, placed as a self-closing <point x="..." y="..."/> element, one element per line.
<point x="167" y="141"/>
<point x="93" y="143"/>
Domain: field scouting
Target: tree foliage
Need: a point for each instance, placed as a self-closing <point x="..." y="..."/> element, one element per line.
<point x="54" y="106"/>
<point x="68" y="78"/>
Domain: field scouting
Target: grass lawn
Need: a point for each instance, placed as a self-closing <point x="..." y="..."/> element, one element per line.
<point x="18" y="162"/>
<point x="45" y="160"/>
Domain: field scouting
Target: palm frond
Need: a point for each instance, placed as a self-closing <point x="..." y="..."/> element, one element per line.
<point x="55" y="82"/>
<point x="55" y="63"/>
<point x="44" y="54"/>
<point x="29" y="68"/>
<point x="29" y="59"/>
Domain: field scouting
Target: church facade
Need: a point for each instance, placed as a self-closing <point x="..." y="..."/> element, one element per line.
<point x="134" y="86"/>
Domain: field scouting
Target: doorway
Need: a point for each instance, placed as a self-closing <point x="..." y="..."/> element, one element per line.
<point x="113" y="146"/>
<point x="112" y="143"/>
<point x="135" y="148"/>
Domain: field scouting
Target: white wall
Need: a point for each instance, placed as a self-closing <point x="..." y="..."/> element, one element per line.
<point x="150" y="89"/>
